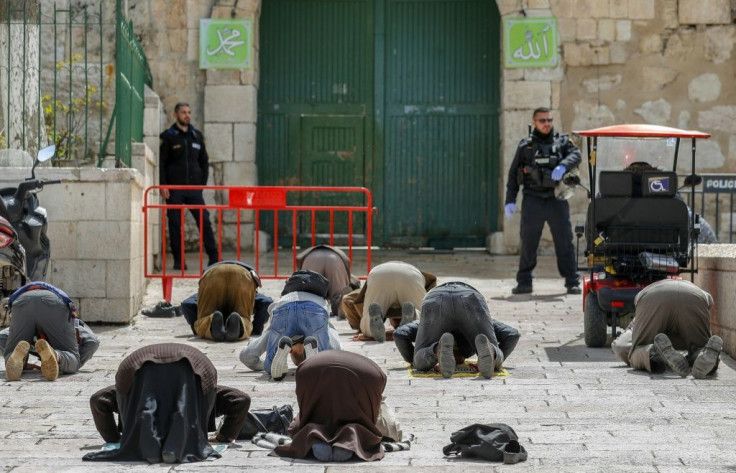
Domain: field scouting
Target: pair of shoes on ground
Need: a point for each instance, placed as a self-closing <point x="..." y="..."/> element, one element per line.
<point x="223" y="330"/>
<point x="521" y="289"/>
<point x="446" y="357"/>
<point x="704" y="363"/>
<point x="279" y="364"/>
<point x="17" y="360"/>
<point x="162" y="309"/>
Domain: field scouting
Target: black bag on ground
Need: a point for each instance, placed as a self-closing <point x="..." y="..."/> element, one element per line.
<point x="488" y="442"/>
<point x="276" y="420"/>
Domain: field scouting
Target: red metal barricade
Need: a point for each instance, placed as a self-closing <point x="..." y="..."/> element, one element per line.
<point x="259" y="199"/>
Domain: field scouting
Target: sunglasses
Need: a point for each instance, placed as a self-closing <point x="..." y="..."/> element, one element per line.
<point x="544" y="120"/>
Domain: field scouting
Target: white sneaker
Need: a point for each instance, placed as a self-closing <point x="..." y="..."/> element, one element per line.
<point x="279" y="364"/>
<point x="311" y="347"/>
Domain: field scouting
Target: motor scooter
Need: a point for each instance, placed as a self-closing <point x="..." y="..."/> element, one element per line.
<point x="24" y="246"/>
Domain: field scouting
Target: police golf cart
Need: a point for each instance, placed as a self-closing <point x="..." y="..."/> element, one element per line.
<point x="638" y="230"/>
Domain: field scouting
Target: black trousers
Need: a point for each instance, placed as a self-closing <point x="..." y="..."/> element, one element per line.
<point x="192" y="197"/>
<point x="406" y="335"/>
<point x="535" y="211"/>
<point x="457" y="308"/>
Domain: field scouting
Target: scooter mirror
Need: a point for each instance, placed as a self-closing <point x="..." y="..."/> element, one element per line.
<point x="692" y="180"/>
<point x="46" y="153"/>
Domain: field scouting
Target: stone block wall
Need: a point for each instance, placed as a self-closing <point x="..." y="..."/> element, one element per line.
<point x="667" y="62"/>
<point x="663" y="62"/>
<point x="145" y="159"/>
<point x="223" y="102"/>
<point x="96" y="234"/>
<point x="717" y="275"/>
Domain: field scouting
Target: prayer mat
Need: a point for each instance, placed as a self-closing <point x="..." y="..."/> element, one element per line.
<point x="270" y="440"/>
<point x="217" y="447"/>
<point x="361" y="337"/>
<point x="466" y="370"/>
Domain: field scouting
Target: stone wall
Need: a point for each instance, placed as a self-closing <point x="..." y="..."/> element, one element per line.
<point x="664" y="62"/>
<point x="717" y="275"/>
<point x="96" y="234"/>
<point x="224" y="102"/>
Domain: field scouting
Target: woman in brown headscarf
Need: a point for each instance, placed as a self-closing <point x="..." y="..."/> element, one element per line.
<point x="339" y="396"/>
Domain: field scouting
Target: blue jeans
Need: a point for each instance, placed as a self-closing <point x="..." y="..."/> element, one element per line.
<point x="297" y="318"/>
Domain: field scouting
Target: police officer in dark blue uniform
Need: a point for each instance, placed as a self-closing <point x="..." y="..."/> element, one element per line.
<point x="540" y="162"/>
<point x="184" y="162"/>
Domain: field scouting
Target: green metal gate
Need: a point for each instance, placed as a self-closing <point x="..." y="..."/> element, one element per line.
<point x="399" y="96"/>
<point x="315" y="101"/>
<point x="441" y="129"/>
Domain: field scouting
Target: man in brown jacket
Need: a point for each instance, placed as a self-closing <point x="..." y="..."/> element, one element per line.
<point x="671" y="315"/>
<point x="393" y="289"/>
<point x="225" y="301"/>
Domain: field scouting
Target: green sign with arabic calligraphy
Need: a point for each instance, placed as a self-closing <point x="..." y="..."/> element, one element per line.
<point x="225" y="44"/>
<point x="530" y="42"/>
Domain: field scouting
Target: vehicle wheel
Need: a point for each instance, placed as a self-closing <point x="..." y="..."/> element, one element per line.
<point x="594" y="322"/>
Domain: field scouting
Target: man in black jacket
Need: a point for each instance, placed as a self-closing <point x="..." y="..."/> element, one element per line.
<point x="540" y="162"/>
<point x="184" y="162"/>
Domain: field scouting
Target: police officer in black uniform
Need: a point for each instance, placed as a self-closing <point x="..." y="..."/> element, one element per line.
<point x="540" y="162"/>
<point x="184" y="162"/>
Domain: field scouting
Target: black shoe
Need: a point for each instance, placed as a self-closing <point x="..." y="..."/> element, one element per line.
<point x="521" y="290"/>
<point x="162" y="309"/>
<point x="574" y="290"/>
<point x="213" y="261"/>
<point x="217" y="328"/>
<point x="233" y="327"/>
<point x="177" y="266"/>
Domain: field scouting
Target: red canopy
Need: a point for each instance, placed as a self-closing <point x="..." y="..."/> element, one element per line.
<point x="643" y="131"/>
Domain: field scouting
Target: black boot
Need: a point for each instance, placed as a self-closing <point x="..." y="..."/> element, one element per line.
<point x="217" y="328"/>
<point x="233" y="328"/>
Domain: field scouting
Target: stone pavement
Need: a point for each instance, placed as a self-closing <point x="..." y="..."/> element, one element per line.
<point x="574" y="408"/>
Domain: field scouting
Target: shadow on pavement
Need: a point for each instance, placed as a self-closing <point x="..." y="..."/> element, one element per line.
<point x="578" y="352"/>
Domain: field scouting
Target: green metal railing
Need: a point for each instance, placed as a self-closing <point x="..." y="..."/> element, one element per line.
<point x="52" y="77"/>
<point x="58" y="76"/>
<point x="132" y="73"/>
